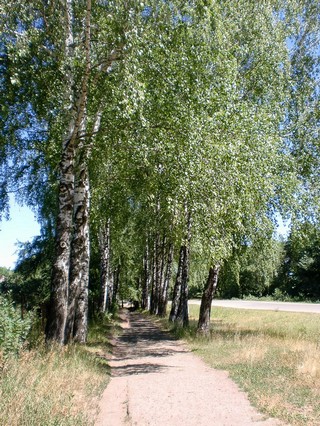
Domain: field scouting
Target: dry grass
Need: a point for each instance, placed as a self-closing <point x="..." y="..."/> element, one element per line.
<point x="274" y="356"/>
<point x="56" y="387"/>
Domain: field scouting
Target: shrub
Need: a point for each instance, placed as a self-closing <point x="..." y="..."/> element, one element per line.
<point x="278" y="294"/>
<point x="13" y="329"/>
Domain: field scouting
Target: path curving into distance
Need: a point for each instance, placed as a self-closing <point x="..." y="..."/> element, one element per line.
<point x="157" y="381"/>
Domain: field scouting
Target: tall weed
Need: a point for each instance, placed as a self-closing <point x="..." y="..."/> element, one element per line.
<point x="56" y="386"/>
<point x="13" y="329"/>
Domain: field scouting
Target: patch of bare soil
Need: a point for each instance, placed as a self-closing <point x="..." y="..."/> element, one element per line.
<point x="157" y="381"/>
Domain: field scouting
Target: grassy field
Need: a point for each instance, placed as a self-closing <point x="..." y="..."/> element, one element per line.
<point x="273" y="356"/>
<point x="56" y="387"/>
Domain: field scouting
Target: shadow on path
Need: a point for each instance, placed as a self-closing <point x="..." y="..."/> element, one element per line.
<point x="142" y="340"/>
<point x="157" y="381"/>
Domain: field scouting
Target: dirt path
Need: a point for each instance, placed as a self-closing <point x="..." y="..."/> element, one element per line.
<point x="157" y="381"/>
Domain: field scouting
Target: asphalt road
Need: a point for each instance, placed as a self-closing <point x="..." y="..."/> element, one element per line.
<point x="266" y="306"/>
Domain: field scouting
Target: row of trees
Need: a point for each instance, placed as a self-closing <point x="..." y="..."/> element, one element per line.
<point x="161" y="132"/>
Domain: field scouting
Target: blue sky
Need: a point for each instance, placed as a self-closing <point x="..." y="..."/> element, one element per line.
<point x="22" y="227"/>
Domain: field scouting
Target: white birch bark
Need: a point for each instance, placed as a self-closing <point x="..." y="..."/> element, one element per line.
<point x="177" y="288"/>
<point x="80" y="248"/>
<point x="206" y="300"/>
<point x="80" y="255"/>
<point x="183" y="311"/>
<point x="104" y="246"/>
<point x="60" y="275"/>
<point x="80" y="326"/>
<point x="179" y="308"/>
<point x="69" y="298"/>
<point x="146" y="278"/>
<point x="59" y="319"/>
<point x="166" y="282"/>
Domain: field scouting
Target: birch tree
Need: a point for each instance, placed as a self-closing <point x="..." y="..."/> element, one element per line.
<point x="81" y="43"/>
<point x="170" y="117"/>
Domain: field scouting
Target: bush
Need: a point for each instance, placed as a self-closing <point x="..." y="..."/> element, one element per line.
<point x="13" y="329"/>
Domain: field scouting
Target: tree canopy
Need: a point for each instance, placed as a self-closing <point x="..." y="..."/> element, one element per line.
<point x="160" y="131"/>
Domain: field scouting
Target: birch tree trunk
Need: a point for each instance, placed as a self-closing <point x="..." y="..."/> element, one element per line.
<point x="110" y="281"/>
<point x="177" y="288"/>
<point x="80" y="253"/>
<point x="157" y="275"/>
<point x="206" y="300"/>
<point x="104" y="245"/>
<point x="153" y="279"/>
<point x="146" y="279"/>
<point x="59" y="301"/>
<point x="166" y="282"/>
<point x="80" y="331"/>
<point x="116" y="283"/>
<point x="179" y="310"/>
<point x="162" y="268"/>
<point x="183" y="311"/>
<point x="58" y="308"/>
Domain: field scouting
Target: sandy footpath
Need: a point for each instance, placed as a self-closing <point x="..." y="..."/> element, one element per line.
<point x="157" y="381"/>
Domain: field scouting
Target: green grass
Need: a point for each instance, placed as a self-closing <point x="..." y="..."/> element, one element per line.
<point x="273" y="356"/>
<point x="55" y="387"/>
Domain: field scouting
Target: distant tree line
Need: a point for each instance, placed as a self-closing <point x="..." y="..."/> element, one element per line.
<point x="285" y="269"/>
